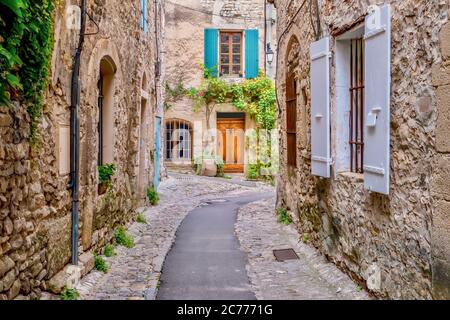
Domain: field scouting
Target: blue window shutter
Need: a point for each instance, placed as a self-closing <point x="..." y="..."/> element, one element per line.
<point x="211" y="49"/>
<point x="144" y="12"/>
<point x="251" y="53"/>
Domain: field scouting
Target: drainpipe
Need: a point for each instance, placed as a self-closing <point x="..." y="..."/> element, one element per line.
<point x="265" y="37"/>
<point x="75" y="135"/>
<point x="157" y="68"/>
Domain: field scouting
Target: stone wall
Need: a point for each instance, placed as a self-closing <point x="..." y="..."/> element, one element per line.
<point x="375" y="238"/>
<point x="441" y="172"/>
<point x="35" y="204"/>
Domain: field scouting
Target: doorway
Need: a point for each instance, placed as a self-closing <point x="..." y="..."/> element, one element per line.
<point x="231" y="137"/>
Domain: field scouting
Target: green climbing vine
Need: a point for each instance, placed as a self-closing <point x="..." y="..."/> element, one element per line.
<point x="26" y="44"/>
<point x="174" y="94"/>
<point x="255" y="96"/>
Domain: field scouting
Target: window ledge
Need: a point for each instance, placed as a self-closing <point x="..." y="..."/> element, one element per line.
<point x="358" y="177"/>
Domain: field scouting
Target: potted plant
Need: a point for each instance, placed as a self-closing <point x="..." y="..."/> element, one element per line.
<point x="105" y="173"/>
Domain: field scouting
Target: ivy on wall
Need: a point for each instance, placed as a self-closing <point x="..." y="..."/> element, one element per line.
<point x="255" y="96"/>
<point x="26" y="44"/>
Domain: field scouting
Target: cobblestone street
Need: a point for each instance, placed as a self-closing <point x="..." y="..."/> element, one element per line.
<point x="134" y="273"/>
<point x="310" y="277"/>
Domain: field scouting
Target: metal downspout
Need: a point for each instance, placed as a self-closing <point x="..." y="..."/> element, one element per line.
<point x="75" y="135"/>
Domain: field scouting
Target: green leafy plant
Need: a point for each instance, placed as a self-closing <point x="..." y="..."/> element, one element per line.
<point x="123" y="238"/>
<point x="253" y="171"/>
<point x="26" y="45"/>
<point x="174" y="94"/>
<point x="220" y="167"/>
<point x="105" y="172"/>
<point x="100" y="264"/>
<point x="283" y="216"/>
<point x="141" y="218"/>
<point x="256" y="97"/>
<point x="306" y="238"/>
<point x="70" y="294"/>
<point x="152" y="196"/>
<point x="109" y="251"/>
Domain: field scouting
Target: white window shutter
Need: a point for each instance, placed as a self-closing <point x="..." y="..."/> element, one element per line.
<point x="320" y="108"/>
<point x="377" y="71"/>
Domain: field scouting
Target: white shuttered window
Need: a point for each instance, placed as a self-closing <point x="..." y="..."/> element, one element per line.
<point x="320" y="108"/>
<point x="377" y="70"/>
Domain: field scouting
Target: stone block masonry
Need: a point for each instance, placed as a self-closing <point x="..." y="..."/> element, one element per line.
<point x="35" y="204"/>
<point x="396" y="244"/>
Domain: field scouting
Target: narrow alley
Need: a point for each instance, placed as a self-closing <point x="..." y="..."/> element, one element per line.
<point x="207" y="229"/>
<point x="224" y="150"/>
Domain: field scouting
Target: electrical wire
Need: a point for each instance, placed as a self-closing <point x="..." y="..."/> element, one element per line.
<point x="212" y="14"/>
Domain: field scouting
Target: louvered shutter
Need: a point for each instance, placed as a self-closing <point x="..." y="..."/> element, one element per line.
<point x="251" y="53"/>
<point x="320" y="108"/>
<point x="377" y="71"/>
<point x="211" y="50"/>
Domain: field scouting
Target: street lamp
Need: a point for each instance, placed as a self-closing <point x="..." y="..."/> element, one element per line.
<point x="269" y="54"/>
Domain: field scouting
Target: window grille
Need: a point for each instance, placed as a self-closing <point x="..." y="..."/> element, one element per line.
<point x="178" y="140"/>
<point x="356" y="121"/>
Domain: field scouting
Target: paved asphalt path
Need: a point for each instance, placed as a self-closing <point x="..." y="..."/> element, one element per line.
<point x="205" y="262"/>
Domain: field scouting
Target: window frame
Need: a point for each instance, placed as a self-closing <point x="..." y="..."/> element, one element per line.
<point x="230" y="53"/>
<point x="344" y="157"/>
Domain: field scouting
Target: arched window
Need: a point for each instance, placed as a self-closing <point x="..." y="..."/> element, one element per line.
<point x="106" y="111"/>
<point x="178" y="140"/>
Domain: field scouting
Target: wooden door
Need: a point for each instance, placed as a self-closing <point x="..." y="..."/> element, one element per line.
<point x="231" y="143"/>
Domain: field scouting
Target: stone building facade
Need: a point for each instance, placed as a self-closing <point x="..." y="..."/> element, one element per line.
<point x="395" y="242"/>
<point x="119" y="70"/>
<point x="186" y="25"/>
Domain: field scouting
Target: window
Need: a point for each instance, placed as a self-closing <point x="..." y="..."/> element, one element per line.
<point x="178" y="143"/>
<point x="291" y="120"/>
<point x="356" y="121"/>
<point x="230" y="53"/>
<point x="106" y="111"/>
<point x="350" y="95"/>
<point x="100" y="120"/>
